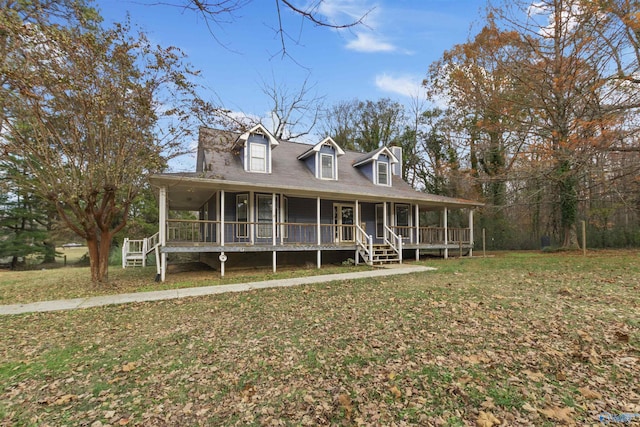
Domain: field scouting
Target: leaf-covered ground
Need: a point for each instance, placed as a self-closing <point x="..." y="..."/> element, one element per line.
<point x="75" y="282"/>
<point x="519" y="339"/>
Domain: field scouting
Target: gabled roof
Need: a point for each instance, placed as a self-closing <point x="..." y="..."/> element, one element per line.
<point x="369" y="157"/>
<point x="318" y="146"/>
<point x="222" y="169"/>
<point x="260" y="130"/>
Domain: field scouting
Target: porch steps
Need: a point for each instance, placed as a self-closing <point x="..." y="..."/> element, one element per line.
<point x="384" y="254"/>
<point x="134" y="252"/>
<point x="134" y="260"/>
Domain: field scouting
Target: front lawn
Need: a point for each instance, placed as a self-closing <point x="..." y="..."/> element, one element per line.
<point x="523" y="339"/>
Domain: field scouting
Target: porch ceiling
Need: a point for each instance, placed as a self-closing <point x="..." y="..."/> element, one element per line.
<point x="188" y="198"/>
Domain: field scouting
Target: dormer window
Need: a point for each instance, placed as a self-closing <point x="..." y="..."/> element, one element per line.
<point x="383" y="173"/>
<point x="258" y="157"/>
<point x="377" y="166"/>
<point x="255" y="147"/>
<point x="327" y="166"/>
<point x="322" y="159"/>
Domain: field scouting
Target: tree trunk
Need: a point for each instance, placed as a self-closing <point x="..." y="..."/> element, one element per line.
<point x="568" y="207"/>
<point x="49" y="253"/>
<point x="99" y="247"/>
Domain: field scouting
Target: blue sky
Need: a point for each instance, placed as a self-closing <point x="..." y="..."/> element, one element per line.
<point x="386" y="57"/>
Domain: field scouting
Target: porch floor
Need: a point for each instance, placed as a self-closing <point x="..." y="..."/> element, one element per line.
<point x="247" y="247"/>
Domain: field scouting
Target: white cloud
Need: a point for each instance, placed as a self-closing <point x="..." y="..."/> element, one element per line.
<point x="341" y="12"/>
<point x="368" y="42"/>
<point x="406" y="85"/>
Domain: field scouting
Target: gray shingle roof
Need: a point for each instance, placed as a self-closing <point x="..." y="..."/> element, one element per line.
<point x="219" y="162"/>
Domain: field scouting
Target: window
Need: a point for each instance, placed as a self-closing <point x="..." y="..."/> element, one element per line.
<point x="242" y="215"/>
<point x="402" y="215"/>
<point x="265" y="204"/>
<point x="326" y="166"/>
<point x="383" y="173"/>
<point x="403" y="220"/>
<point x="258" y="158"/>
<point x="380" y="221"/>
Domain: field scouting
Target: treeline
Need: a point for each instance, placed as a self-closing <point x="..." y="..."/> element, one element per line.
<point x="538" y="118"/>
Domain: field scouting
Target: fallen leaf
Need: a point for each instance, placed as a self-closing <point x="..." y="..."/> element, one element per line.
<point x="129" y="366"/>
<point x="534" y="376"/>
<point x="558" y="414"/>
<point x="486" y="419"/>
<point x="396" y="392"/>
<point x="527" y="407"/>
<point x="587" y="393"/>
<point x="345" y="401"/>
<point x="622" y="336"/>
<point x="488" y="403"/>
<point x="63" y="400"/>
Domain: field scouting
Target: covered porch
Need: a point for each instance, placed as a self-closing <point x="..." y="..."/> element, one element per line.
<point x="245" y="219"/>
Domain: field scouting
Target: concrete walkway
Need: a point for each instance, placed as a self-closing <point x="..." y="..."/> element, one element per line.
<point x="71" y="304"/>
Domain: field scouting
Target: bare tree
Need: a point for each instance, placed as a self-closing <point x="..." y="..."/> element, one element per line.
<point x="221" y="12"/>
<point x="294" y="113"/>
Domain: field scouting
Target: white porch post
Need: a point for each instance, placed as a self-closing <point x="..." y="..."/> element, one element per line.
<point x="471" y="232"/>
<point x="356" y="230"/>
<point x="318" y="231"/>
<point x="222" y="210"/>
<point x="162" y="229"/>
<point x="446" y="233"/>
<point x="274" y="215"/>
<point x="417" y="221"/>
<point x="282" y="218"/>
<point x="384" y="220"/>
<point x="252" y="227"/>
<point x="217" y="216"/>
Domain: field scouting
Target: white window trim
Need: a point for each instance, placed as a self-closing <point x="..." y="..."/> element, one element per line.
<point x="386" y="165"/>
<point x="377" y="217"/>
<point x="333" y="167"/>
<point x="251" y="157"/>
<point x="264" y="228"/>
<point x="240" y="227"/>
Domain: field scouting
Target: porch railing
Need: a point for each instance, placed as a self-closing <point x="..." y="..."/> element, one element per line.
<point x="435" y="235"/>
<point x="135" y="252"/>
<point x="181" y="231"/>
<point x="364" y="244"/>
<point x="394" y="240"/>
<point x="259" y="233"/>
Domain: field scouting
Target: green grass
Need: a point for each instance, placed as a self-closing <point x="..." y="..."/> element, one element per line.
<point x="524" y="337"/>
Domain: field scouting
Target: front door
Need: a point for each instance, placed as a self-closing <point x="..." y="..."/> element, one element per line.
<point x="343" y="216"/>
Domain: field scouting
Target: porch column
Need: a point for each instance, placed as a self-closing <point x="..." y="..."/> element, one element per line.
<point x="318" y="231"/>
<point x="446" y="233"/>
<point x="470" y="232"/>
<point x="252" y="226"/>
<point x="356" y="230"/>
<point x="417" y="221"/>
<point x="273" y="227"/>
<point x="384" y="220"/>
<point x="218" y="216"/>
<point x="162" y="227"/>
<point x="222" y="210"/>
<point x="282" y="219"/>
<point x="162" y="230"/>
